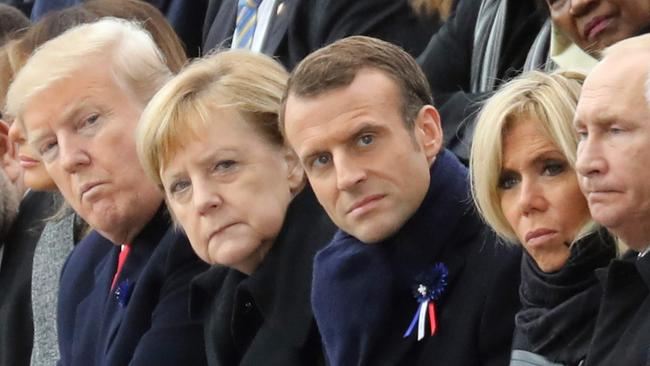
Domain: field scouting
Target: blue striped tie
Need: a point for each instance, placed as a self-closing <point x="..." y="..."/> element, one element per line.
<point x="246" y="21"/>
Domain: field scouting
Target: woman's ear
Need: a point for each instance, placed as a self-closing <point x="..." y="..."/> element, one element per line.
<point x="429" y="131"/>
<point x="295" y="173"/>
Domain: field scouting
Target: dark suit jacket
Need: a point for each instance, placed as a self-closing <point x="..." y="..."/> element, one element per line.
<point x="622" y="332"/>
<point x="266" y="319"/>
<point x="184" y="16"/>
<point x="16" y="325"/>
<point x="303" y="26"/>
<point x="148" y="323"/>
<point x="447" y="63"/>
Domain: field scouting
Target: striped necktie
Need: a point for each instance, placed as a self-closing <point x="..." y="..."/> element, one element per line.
<point x="246" y="21"/>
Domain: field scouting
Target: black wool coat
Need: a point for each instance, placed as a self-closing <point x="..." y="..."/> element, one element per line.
<point x="146" y="322"/>
<point x="559" y="309"/>
<point x="266" y="318"/>
<point x="622" y="332"/>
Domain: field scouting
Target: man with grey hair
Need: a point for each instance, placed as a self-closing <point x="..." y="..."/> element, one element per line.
<point x="613" y="121"/>
<point x="124" y="291"/>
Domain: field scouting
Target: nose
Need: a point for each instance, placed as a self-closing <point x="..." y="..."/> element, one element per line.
<point x="205" y="197"/>
<point x="589" y="158"/>
<point x="531" y="197"/>
<point x="349" y="173"/>
<point x="72" y="155"/>
<point x="580" y="7"/>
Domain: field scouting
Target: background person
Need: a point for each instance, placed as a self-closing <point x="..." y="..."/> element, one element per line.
<point x="358" y="114"/>
<point x="210" y="140"/>
<point x="290" y="29"/>
<point x="124" y="291"/>
<point x="525" y="187"/>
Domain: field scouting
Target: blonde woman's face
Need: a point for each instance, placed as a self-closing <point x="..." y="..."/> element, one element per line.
<point x="230" y="189"/>
<point x="540" y="196"/>
<point x="34" y="174"/>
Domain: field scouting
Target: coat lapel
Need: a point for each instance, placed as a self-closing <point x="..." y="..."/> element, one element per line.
<point x="223" y="27"/>
<point x="284" y="11"/>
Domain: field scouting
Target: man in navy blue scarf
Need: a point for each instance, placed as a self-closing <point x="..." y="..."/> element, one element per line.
<point x="412" y="277"/>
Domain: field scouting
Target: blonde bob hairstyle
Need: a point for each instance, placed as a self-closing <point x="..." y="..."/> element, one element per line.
<point x="135" y="61"/>
<point x="550" y="99"/>
<point x="251" y="84"/>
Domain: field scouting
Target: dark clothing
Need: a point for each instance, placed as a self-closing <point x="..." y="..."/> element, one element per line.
<point x="16" y="324"/>
<point x="559" y="309"/>
<point x="622" y="333"/>
<point x="184" y="16"/>
<point x="447" y="61"/>
<point x="362" y="294"/>
<point x="266" y="319"/>
<point x="145" y="319"/>
<point x="304" y="26"/>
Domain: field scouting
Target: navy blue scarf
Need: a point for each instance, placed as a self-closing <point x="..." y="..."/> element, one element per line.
<point x="361" y="293"/>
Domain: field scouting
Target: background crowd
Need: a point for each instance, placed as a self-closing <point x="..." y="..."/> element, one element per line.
<point x="324" y="182"/>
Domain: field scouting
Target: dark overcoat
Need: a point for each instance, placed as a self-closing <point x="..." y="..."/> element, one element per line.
<point x="266" y="318"/>
<point x="147" y="322"/>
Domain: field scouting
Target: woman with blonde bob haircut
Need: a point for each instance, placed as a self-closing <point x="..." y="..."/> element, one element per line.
<point x="210" y="139"/>
<point x="524" y="185"/>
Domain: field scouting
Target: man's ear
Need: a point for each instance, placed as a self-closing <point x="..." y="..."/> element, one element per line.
<point x="295" y="172"/>
<point x="429" y="131"/>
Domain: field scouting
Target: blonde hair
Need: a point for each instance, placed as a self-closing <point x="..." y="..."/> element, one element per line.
<point x="135" y="60"/>
<point x="250" y="83"/>
<point x="550" y="99"/>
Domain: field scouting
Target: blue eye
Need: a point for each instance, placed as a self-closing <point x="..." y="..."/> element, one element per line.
<point x="321" y="161"/>
<point x="224" y="165"/>
<point x="178" y="186"/>
<point x="365" y="140"/>
<point x="47" y="149"/>
<point x="553" y="167"/>
<point x="507" y="181"/>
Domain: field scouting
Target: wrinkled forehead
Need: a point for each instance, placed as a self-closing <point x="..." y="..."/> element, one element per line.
<point x="60" y="102"/>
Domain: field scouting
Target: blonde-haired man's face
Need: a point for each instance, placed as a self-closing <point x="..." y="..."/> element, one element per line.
<point x="83" y="129"/>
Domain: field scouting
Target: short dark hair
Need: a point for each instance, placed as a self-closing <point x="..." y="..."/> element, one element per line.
<point x="336" y="66"/>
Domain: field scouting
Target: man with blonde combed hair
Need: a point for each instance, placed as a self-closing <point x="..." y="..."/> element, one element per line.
<point x="124" y="291"/>
<point x="613" y="121"/>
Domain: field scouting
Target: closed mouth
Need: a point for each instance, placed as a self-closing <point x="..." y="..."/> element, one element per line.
<point x="366" y="200"/>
